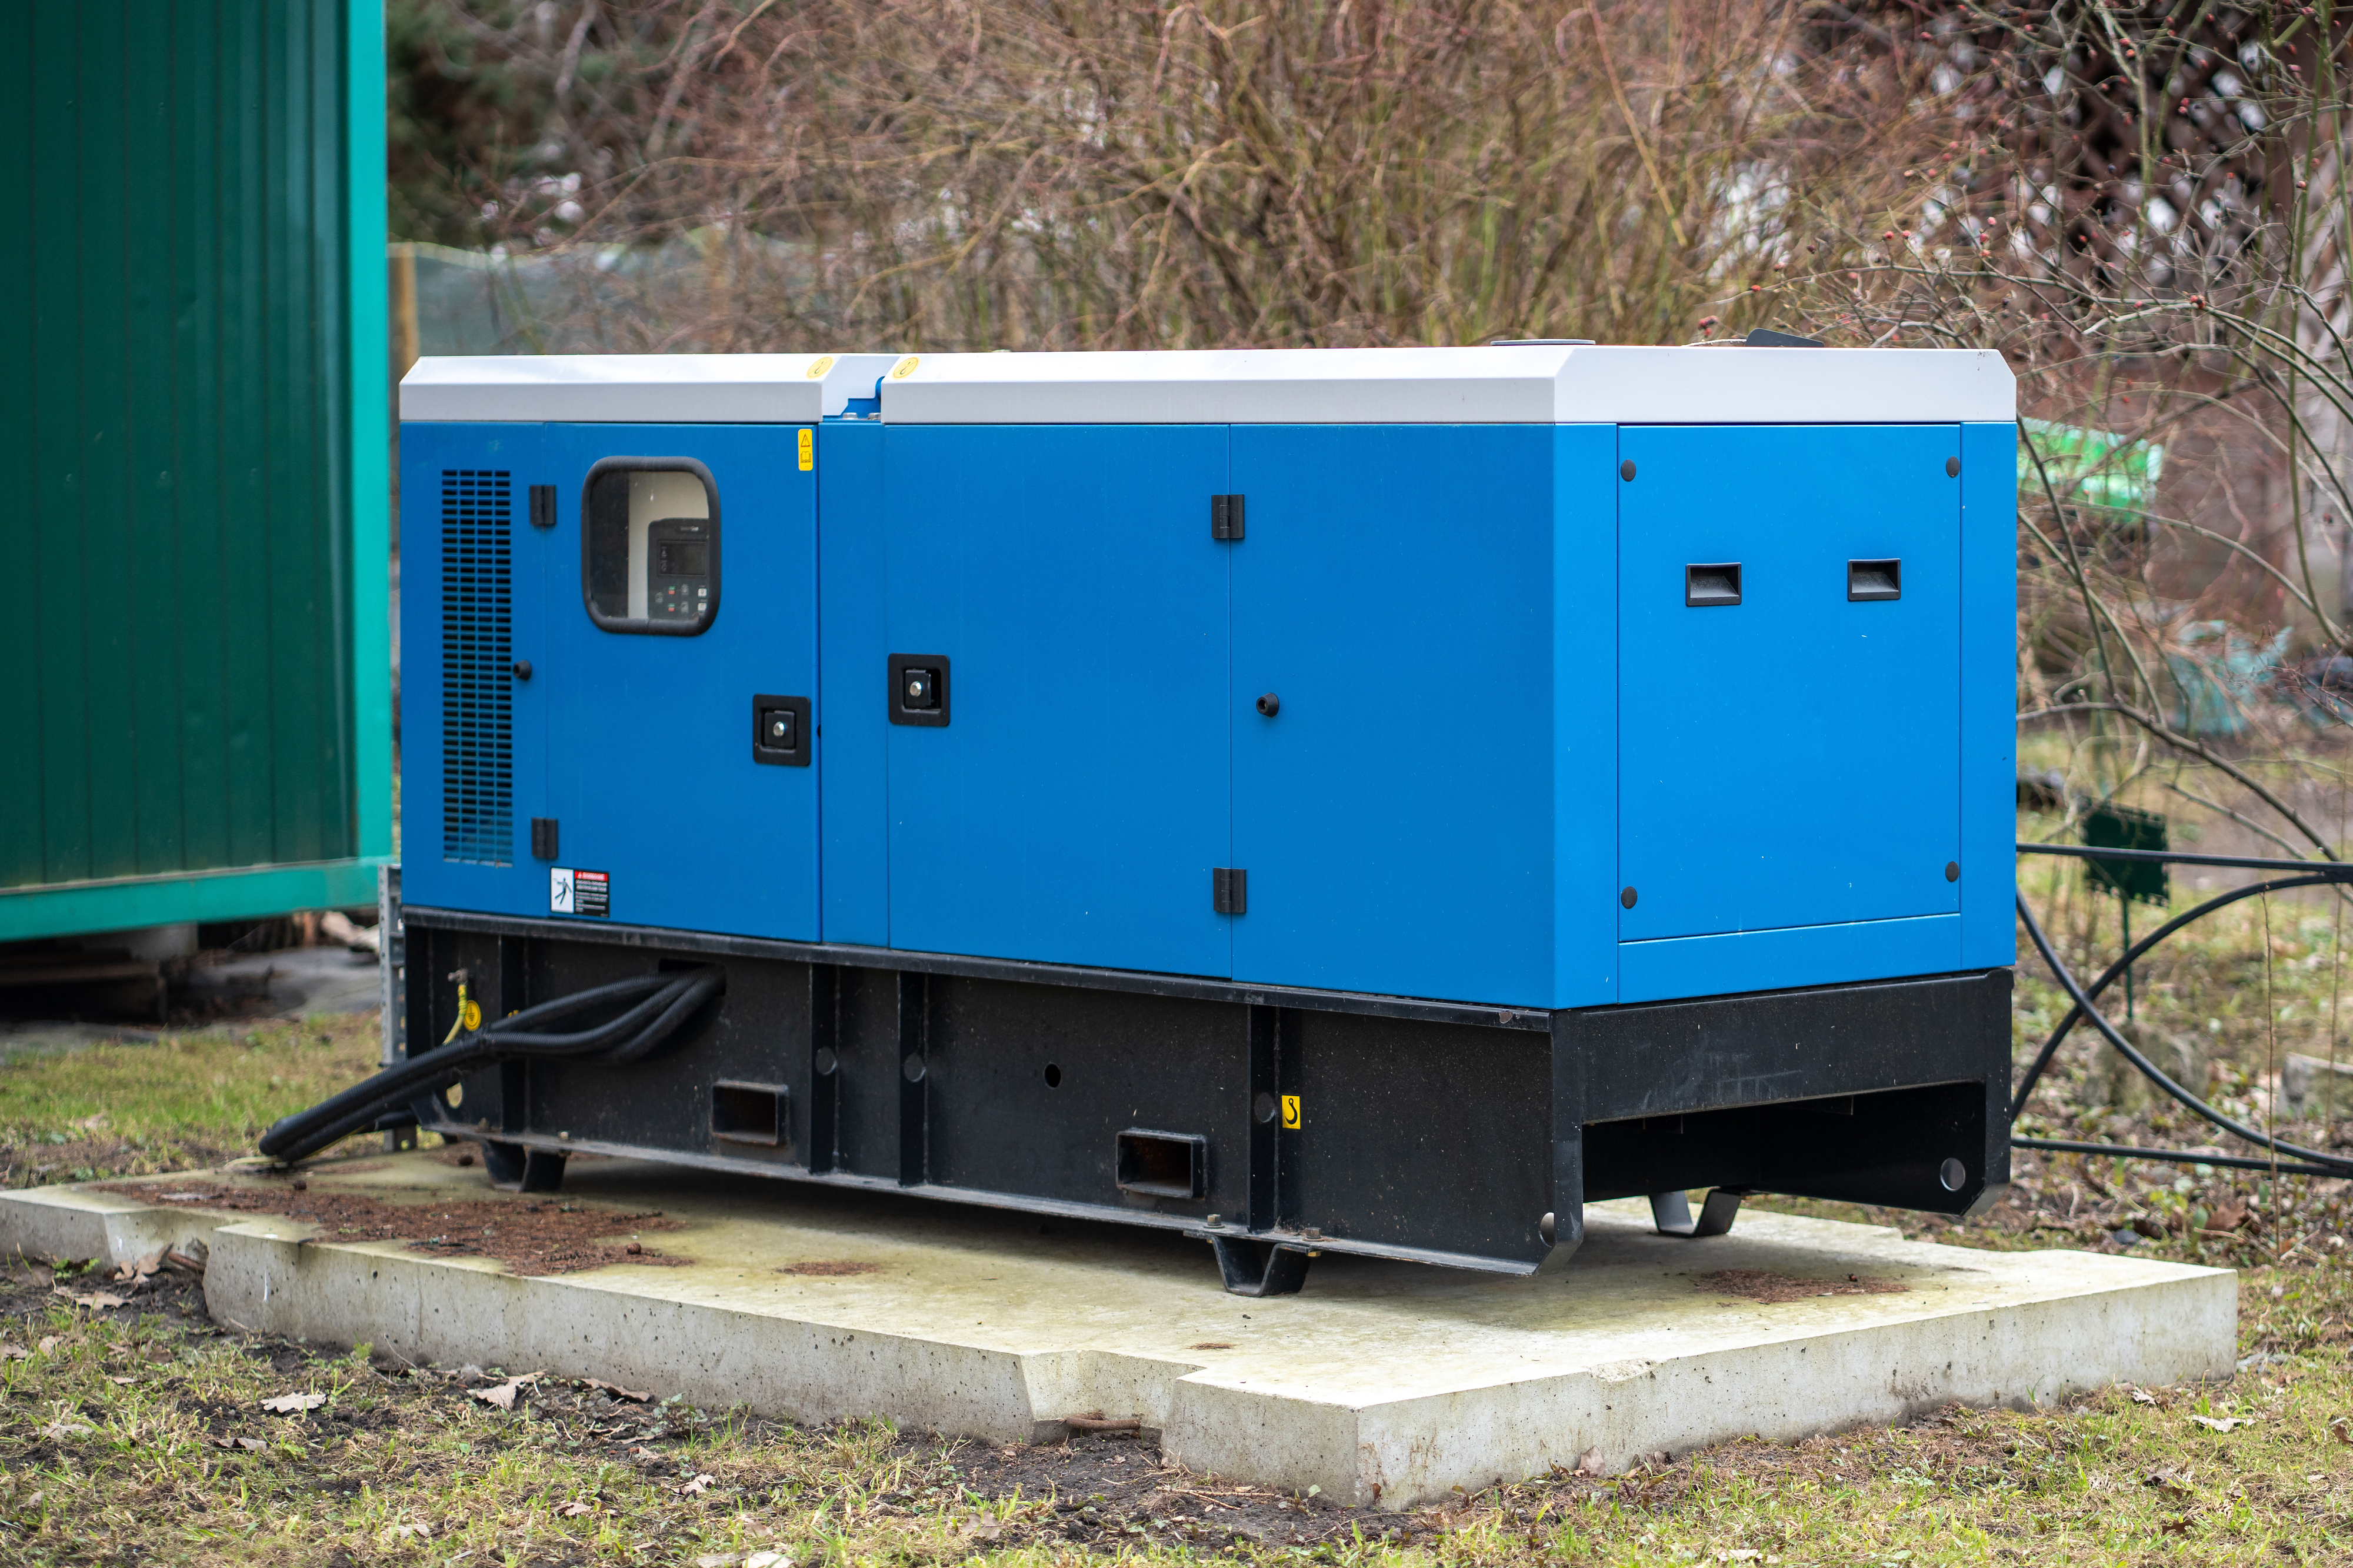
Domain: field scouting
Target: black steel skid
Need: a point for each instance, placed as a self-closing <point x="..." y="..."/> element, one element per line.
<point x="1275" y="1123"/>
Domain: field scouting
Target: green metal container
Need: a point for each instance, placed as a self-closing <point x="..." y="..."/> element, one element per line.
<point x="194" y="668"/>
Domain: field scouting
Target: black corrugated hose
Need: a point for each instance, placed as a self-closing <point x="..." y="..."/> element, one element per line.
<point x="656" y="1005"/>
<point x="2306" y="873"/>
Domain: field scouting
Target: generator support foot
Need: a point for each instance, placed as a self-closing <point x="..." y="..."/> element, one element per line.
<point x="1670" y="1212"/>
<point x="1259" y="1267"/>
<point x="515" y="1169"/>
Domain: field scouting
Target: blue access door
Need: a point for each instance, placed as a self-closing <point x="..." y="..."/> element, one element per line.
<point x="1392" y="596"/>
<point x="651" y="774"/>
<point x="1788" y="677"/>
<point x="474" y="761"/>
<point x="1075" y="801"/>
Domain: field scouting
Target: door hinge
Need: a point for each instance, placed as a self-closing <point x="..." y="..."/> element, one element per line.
<point x="1230" y="891"/>
<point x="542" y="506"/>
<point x="1225" y="517"/>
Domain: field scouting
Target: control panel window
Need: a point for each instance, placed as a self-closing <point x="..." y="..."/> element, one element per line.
<point x="650" y="545"/>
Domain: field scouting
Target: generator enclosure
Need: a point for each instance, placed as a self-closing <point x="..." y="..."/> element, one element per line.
<point x="1327" y="800"/>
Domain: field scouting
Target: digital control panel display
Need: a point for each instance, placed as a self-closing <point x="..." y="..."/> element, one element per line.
<point x="678" y="569"/>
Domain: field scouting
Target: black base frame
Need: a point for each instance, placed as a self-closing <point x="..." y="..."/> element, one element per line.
<point x="1276" y="1123"/>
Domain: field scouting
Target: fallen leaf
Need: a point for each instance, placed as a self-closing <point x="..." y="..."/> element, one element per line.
<point x="403" y="1532"/>
<point x="142" y="1267"/>
<point x="2224" y="1423"/>
<point x="698" y="1485"/>
<point x="716" y="1560"/>
<point x="293" y="1404"/>
<point x="1589" y="1462"/>
<point x="2169" y="1483"/>
<point x="2341" y="1428"/>
<point x="575" y="1509"/>
<point x="769" y="1559"/>
<point x="49" y="1342"/>
<point x="615" y="1390"/>
<point x="2175" y="1526"/>
<point x="252" y="1445"/>
<point x="125" y="1382"/>
<point x="68" y="1428"/>
<point x="1739" y="1554"/>
<point x="502" y="1395"/>
<point x="97" y="1300"/>
<point x="14" y="1353"/>
<point x="2143" y="1396"/>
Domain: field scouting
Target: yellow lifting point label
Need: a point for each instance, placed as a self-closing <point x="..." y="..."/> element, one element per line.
<point x="1291" y="1111"/>
<point x="471" y="1015"/>
<point x="808" y="450"/>
<point x="905" y="368"/>
<point x="818" y="366"/>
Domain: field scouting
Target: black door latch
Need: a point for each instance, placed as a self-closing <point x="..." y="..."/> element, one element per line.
<point x="780" y="731"/>
<point x="919" y="689"/>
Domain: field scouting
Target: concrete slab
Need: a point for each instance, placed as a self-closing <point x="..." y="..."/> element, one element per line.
<point x="84" y="1222"/>
<point x="1383" y="1381"/>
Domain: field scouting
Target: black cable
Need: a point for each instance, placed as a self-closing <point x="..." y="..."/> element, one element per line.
<point x="2171" y="1156"/>
<point x="436" y="1069"/>
<point x="661" y="1004"/>
<point x="2132" y="954"/>
<point x="2340" y="871"/>
<point x="2330" y="1163"/>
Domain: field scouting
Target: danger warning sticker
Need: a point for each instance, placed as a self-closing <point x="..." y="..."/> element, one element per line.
<point x="572" y="892"/>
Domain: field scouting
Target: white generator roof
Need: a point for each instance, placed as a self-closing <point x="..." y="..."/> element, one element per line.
<point x="1514" y="385"/>
<point x="639" y="389"/>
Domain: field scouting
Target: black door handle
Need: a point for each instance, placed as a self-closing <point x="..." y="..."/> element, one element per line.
<point x="1874" y="579"/>
<point x="1712" y="584"/>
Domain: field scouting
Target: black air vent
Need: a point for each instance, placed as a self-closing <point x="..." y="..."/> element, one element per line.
<point x="477" y="669"/>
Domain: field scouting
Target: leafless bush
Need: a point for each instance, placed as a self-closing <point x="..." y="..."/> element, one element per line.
<point x="987" y="173"/>
<point x="2144" y="209"/>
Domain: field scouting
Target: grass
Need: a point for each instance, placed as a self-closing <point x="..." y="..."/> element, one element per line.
<point x="143" y="1439"/>
<point x="188" y="1099"/>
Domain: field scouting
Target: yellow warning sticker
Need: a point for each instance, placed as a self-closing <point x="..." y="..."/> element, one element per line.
<point x="1291" y="1111"/>
<point x="808" y="450"/>
<point x="818" y="366"/>
<point x="471" y="1014"/>
<point x="904" y="368"/>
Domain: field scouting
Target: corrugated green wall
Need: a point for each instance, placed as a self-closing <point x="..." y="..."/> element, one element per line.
<point x="192" y="651"/>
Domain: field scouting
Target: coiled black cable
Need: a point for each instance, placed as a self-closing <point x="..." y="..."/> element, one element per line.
<point x="658" y="1005"/>
<point x="2317" y="1162"/>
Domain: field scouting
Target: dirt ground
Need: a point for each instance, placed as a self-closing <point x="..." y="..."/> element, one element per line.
<point x="530" y="1235"/>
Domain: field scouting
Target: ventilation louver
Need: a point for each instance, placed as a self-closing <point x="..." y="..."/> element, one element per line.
<point x="477" y="660"/>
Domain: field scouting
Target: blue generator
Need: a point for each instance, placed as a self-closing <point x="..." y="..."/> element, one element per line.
<point x="1361" y="801"/>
